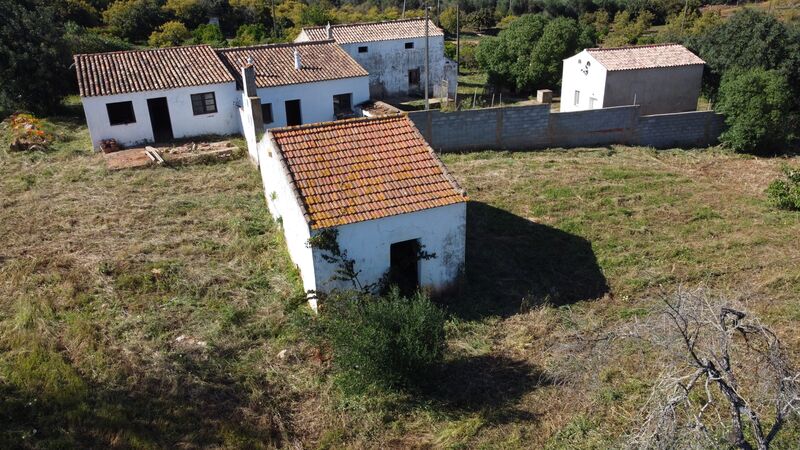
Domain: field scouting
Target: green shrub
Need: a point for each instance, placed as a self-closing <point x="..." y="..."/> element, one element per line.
<point x="756" y="106"/>
<point x="785" y="193"/>
<point x="170" y="34"/>
<point x="387" y="342"/>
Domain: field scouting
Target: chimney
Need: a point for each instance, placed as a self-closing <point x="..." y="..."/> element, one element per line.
<point x="329" y="31"/>
<point x="297" y="64"/>
<point x="249" y="78"/>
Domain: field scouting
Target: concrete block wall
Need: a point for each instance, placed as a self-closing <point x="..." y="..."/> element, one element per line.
<point x="594" y="127"/>
<point x="534" y="126"/>
<point x="689" y="129"/>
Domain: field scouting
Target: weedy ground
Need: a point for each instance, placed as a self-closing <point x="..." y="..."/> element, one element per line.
<point x="148" y="308"/>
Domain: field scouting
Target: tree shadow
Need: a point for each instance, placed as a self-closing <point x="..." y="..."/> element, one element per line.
<point x="487" y="384"/>
<point x="513" y="263"/>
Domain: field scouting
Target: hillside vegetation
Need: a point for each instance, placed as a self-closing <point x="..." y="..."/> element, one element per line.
<point x="149" y="308"/>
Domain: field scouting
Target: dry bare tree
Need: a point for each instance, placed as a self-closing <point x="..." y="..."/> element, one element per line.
<point x="726" y="377"/>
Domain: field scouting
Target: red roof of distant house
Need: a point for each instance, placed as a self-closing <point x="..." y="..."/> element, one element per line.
<point x="149" y="70"/>
<point x="361" y="169"/>
<point x="644" y="57"/>
<point x="274" y="63"/>
<point x="374" y="31"/>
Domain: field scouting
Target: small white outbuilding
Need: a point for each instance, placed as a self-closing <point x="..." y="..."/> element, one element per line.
<point x="396" y="212"/>
<point x="393" y="52"/>
<point x="661" y="79"/>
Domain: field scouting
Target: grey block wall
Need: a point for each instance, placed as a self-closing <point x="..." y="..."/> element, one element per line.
<point x="534" y="126"/>
<point x="689" y="129"/>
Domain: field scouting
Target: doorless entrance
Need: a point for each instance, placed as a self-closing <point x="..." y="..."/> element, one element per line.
<point x="404" y="266"/>
<point x="293" y="116"/>
<point x="159" y="119"/>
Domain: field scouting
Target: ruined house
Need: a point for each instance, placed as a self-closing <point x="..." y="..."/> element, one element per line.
<point x="393" y="52"/>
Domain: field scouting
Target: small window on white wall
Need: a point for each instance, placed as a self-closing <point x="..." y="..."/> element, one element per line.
<point x="577" y="97"/>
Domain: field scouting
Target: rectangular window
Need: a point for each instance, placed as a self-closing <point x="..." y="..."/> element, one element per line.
<point x="120" y="113"/>
<point x="266" y="112"/>
<point x="362" y="49"/>
<point x="342" y="104"/>
<point x="409" y="45"/>
<point x="204" y="103"/>
<point x="577" y="97"/>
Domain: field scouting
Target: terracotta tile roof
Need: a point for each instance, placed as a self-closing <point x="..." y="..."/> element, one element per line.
<point x="361" y="169"/>
<point x="274" y="63"/>
<point x="148" y="70"/>
<point x="644" y="57"/>
<point x="374" y="31"/>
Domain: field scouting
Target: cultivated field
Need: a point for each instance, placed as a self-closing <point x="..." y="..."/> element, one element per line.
<point x="148" y="308"/>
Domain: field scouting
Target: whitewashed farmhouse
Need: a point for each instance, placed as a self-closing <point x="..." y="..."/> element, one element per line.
<point x="380" y="185"/>
<point x="144" y="96"/>
<point x="660" y="78"/>
<point x="393" y="52"/>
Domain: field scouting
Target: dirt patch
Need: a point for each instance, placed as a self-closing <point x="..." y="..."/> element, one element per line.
<point x="182" y="154"/>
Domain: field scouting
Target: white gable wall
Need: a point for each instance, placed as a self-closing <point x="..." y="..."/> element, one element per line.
<point x="590" y="85"/>
<point x="284" y="207"/>
<point x="440" y="230"/>
<point x="184" y="122"/>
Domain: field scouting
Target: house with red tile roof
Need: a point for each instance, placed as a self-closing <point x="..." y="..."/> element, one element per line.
<point x="155" y="95"/>
<point x="662" y="78"/>
<point x="396" y="211"/>
<point x="393" y="52"/>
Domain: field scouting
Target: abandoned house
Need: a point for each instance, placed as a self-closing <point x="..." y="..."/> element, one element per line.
<point x="396" y="210"/>
<point x="143" y="96"/>
<point x="659" y="78"/>
<point x="393" y="52"/>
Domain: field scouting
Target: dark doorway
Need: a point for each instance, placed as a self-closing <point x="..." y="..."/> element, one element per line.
<point x="293" y="116"/>
<point x="404" y="266"/>
<point x="413" y="79"/>
<point x="159" y="119"/>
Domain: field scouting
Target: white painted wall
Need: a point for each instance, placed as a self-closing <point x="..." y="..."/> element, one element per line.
<point x="441" y="230"/>
<point x="316" y="99"/>
<point x="388" y="63"/>
<point x="284" y="207"/>
<point x="591" y="84"/>
<point x="184" y="122"/>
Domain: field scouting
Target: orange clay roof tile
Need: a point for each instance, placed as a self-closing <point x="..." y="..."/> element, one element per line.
<point x="361" y="169"/>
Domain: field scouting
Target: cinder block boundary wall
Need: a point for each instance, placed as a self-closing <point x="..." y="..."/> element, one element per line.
<point x="534" y="127"/>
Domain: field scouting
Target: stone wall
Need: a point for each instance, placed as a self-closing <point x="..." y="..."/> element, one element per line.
<point x="534" y="126"/>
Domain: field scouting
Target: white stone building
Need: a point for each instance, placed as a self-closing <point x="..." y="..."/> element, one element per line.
<point x="393" y="53"/>
<point x="661" y="79"/>
<point x="381" y="187"/>
<point x="144" y="96"/>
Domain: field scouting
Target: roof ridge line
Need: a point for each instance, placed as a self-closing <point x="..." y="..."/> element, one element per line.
<point x="335" y="123"/>
<point x="626" y="47"/>
<point x="356" y="24"/>
<point x="144" y="50"/>
<point x="274" y="45"/>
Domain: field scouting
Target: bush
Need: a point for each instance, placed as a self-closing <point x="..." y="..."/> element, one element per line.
<point x="250" y="35"/>
<point x="785" y="193"/>
<point x="170" y="34"/>
<point x="387" y="342"/>
<point x="756" y="106"/>
<point x="208" y="34"/>
<point x="133" y="19"/>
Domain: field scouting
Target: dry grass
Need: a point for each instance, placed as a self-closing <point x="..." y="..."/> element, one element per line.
<point x="146" y="308"/>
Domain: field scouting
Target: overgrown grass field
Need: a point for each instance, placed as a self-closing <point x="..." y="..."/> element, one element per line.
<point x="148" y="308"/>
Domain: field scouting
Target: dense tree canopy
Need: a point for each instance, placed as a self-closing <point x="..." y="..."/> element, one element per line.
<point x="34" y="57"/>
<point x="757" y="105"/>
<point x="528" y="54"/>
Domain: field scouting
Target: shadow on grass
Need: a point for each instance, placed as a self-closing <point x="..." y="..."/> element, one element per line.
<point x="488" y="384"/>
<point x="198" y="407"/>
<point x="514" y="263"/>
